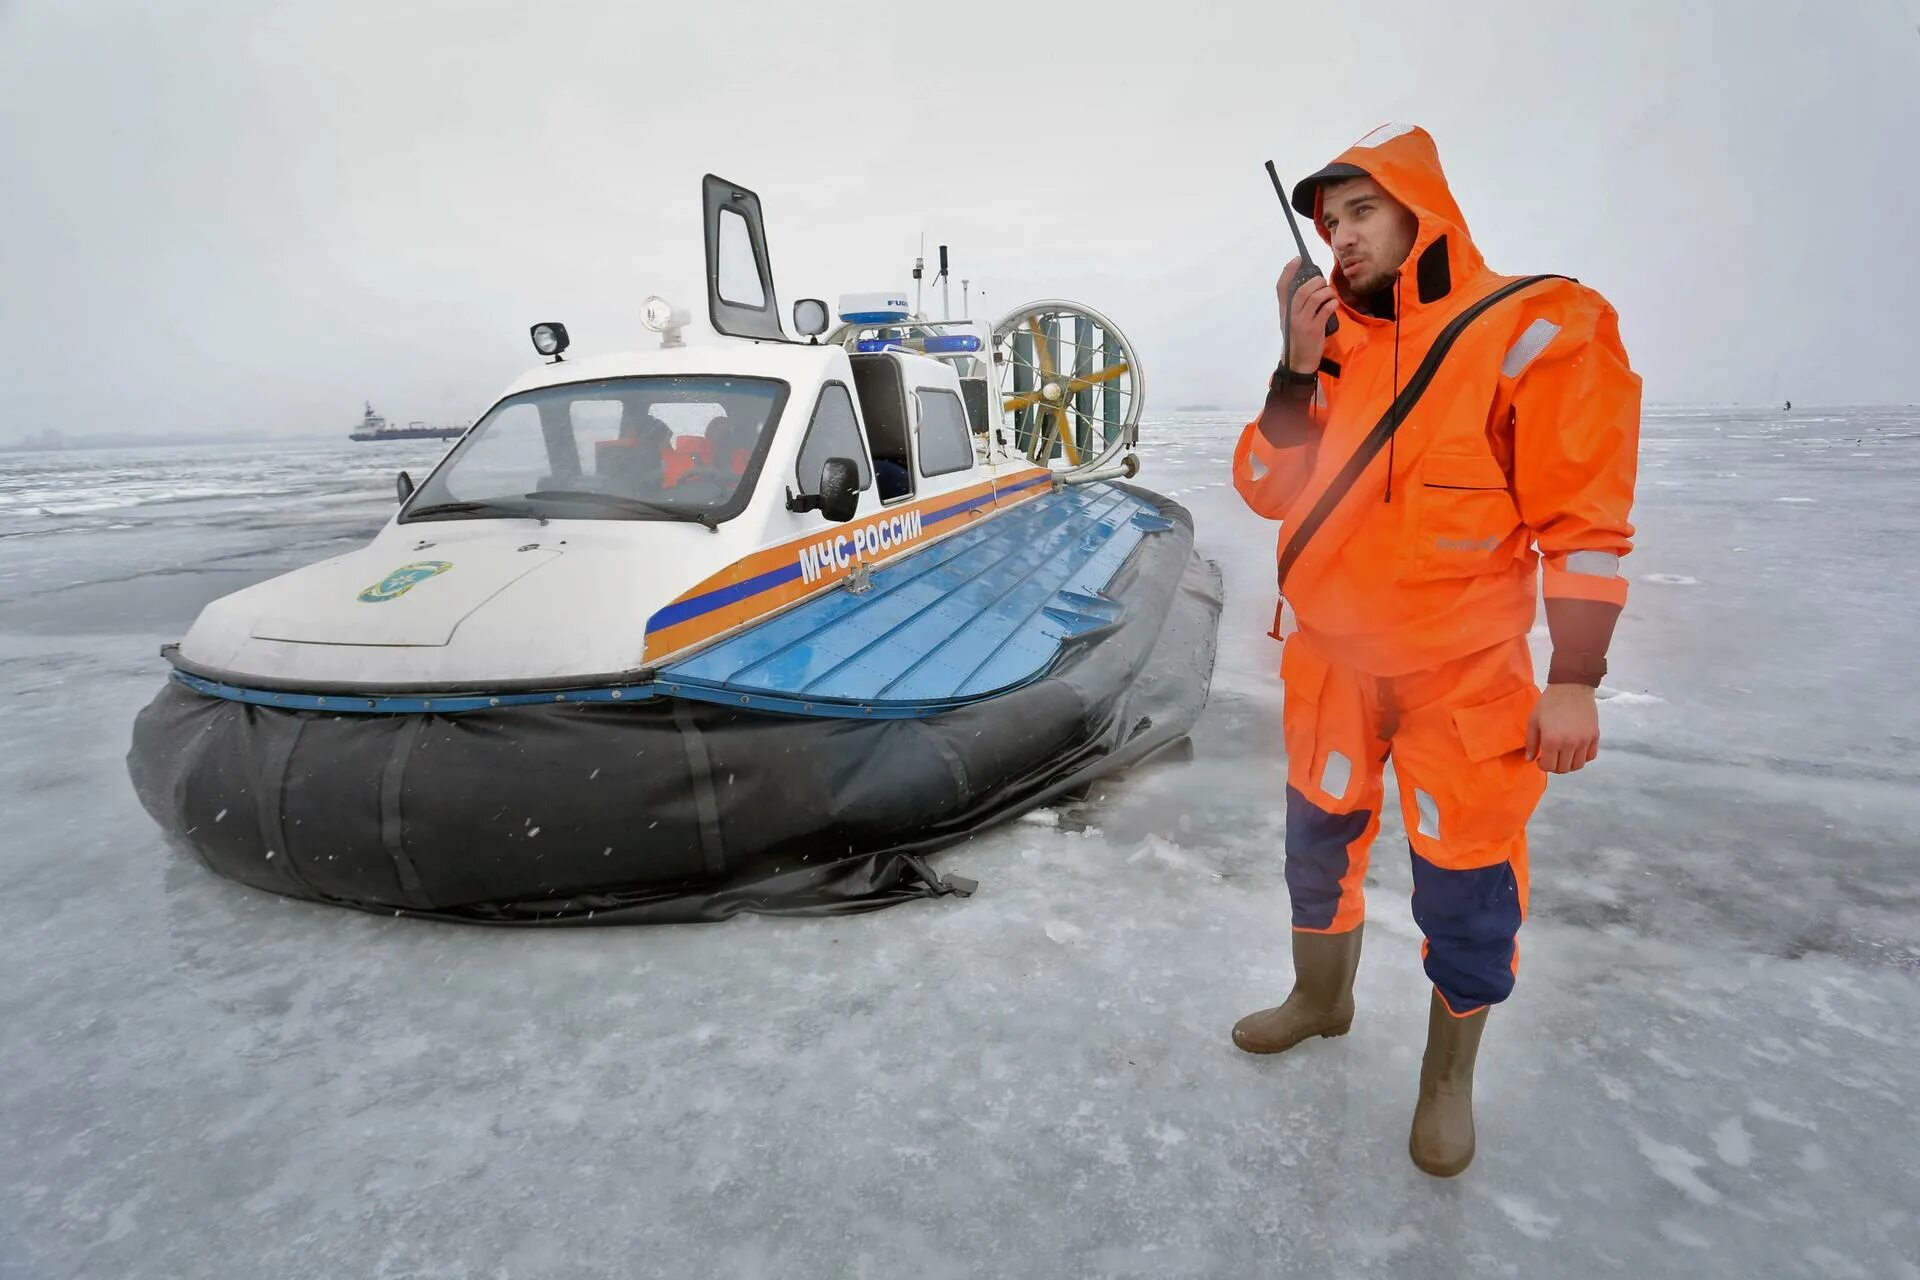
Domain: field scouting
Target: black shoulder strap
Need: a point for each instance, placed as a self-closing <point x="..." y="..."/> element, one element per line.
<point x="1390" y="422"/>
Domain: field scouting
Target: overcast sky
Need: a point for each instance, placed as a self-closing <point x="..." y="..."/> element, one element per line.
<point x="251" y="216"/>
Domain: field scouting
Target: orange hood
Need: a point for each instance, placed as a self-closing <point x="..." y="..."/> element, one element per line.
<point x="1404" y="161"/>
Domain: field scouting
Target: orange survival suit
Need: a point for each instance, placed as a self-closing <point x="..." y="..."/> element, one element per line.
<point x="1415" y="595"/>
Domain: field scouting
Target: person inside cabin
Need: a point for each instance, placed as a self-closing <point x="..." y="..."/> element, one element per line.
<point x="891" y="478"/>
<point x="687" y="456"/>
<point x="632" y="461"/>
<point x="732" y="443"/>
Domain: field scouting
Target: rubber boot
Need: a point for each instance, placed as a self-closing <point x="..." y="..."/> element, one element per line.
<point x="1321" y="1003"/>
<point x="1442" y="1138"/>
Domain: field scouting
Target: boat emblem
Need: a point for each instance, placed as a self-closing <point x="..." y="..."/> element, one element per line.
<point x="403" y="580"/>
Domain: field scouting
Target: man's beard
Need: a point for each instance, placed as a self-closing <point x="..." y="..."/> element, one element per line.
<point x="1369" y="284"/>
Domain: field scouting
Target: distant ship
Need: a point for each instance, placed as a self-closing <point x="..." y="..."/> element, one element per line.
<point x="374" y="427"/>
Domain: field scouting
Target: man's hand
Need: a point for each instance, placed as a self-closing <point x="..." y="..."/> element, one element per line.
<point x="1306" y="327"/>
<point x="1564" y="733"/>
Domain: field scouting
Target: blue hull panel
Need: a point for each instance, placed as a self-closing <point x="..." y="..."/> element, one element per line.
<point x="982" y="612"/>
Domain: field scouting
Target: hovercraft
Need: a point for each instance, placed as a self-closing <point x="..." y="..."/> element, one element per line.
<point x="673" y="634"/>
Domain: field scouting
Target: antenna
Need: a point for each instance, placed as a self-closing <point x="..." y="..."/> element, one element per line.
<point x="919" y="265"/>
<point x="1287" y="208"/>
<point x="1308" y="269"/>
<point x="966" y="307"/>
<point x="946" y="287"/>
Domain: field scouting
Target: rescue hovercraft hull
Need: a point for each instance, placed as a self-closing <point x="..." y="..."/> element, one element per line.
<point x="676" y="806"/>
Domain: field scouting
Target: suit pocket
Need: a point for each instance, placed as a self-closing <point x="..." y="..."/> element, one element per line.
<point x="1493" y="729"/>
<point x="1464" y="519"/>
<point x="1303" y="676"/>
<point x="1302" y="671"/>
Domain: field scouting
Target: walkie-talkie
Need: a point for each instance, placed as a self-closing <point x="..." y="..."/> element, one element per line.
<point x="1309" y="269"/>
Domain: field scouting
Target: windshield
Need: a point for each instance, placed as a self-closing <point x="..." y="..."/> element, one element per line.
<point x="661" y="448"/>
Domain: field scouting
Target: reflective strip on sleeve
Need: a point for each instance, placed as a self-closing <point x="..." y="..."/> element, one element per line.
<point x="1562" y="585"/>
<point x="1530" y="344"/>
<point x="1595" y="564"/>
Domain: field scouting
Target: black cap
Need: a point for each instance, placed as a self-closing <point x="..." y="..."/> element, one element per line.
<point x="1335" y="172"/>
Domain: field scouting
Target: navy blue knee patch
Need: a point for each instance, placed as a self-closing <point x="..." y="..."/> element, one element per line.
<point x="1469" y="919"/>
<point x="1317" y="843"/>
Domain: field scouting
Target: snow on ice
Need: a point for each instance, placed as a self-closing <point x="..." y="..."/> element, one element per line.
<point x="1707" y="1069"/>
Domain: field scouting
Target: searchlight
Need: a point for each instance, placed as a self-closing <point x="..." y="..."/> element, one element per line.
<point x="550" y="339"/>
<point x="664" y="319"/>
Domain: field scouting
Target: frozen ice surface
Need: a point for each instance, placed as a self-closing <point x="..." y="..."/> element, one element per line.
<point x="1708" y="1069"/>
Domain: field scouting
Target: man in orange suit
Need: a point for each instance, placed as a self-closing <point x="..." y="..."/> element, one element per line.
<point x="1458" y="431"/>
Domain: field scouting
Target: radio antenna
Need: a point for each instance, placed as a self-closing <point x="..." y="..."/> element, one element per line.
<point x="919" y="266"/>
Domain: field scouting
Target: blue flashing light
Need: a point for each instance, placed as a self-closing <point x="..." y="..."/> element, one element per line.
<point x="952" y="344"/>
<point x="873" y="317"/>
<point x="867" y="345"/>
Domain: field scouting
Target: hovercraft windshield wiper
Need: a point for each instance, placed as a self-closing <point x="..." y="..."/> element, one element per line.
<point x="638" y="506"/>
<point x="474" y="508"/>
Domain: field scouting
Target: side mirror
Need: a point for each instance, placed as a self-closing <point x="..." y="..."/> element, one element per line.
<point x="810" y="317"/>
<point x="403" y="485"/>
<point x="839" y="489"/>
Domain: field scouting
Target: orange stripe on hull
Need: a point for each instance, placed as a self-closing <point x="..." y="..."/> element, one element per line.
<point x="804" y="567"/>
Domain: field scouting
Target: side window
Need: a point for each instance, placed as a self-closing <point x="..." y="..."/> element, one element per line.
<point x="945" y="443"/>
<point x="833" y="433"/>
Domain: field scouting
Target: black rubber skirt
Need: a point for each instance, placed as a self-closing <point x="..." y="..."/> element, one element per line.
<point x="667" y="810"/>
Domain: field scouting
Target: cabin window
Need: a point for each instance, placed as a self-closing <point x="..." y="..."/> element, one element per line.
<point x="946" y="445"/>
<point x="739" y="271"/>
<point x="833" y="433"/>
